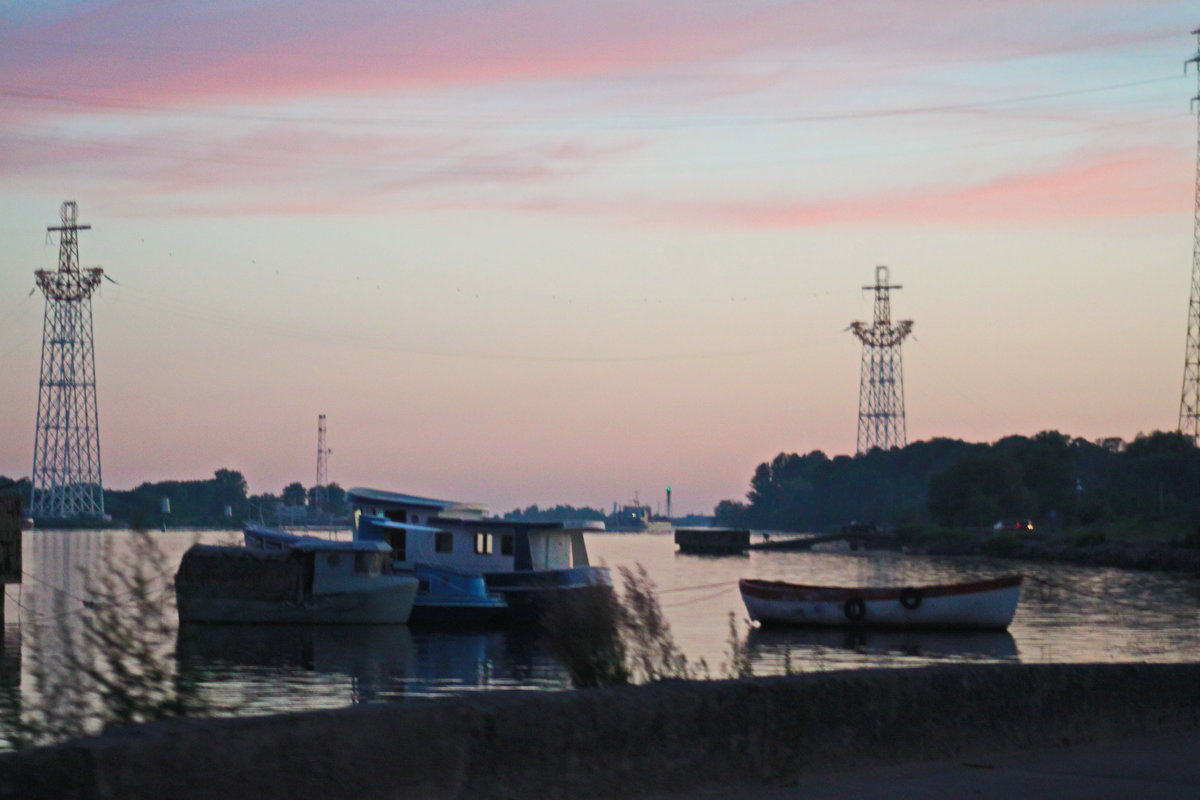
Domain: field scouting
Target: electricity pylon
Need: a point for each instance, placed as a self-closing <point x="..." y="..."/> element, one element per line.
<point x="66" y="453"/>
<point x="1189" y="401"/>
<point x="881" y="376"/>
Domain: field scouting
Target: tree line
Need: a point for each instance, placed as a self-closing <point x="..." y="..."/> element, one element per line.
<point x="1048" y="479"/>
<point x="222" y="500"/>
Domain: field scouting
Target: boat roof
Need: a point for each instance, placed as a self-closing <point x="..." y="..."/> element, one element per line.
<point x="384" y="522"/>
<point x="396" y="498"/>
<point x="494" y="522"/>
<point x="446" y="508"/>
<point x="458" y="523"/>
<point x="312" y="543"/>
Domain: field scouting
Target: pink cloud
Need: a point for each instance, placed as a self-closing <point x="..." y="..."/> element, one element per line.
<point x="265" y="52"/>
<point x="288" y="169"/>
<point x="1113" y="184"/>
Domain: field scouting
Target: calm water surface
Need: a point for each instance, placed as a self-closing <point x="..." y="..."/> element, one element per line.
<point x="1066" y="614"/>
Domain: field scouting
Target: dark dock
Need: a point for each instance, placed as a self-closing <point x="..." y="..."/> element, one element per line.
<point x="727" y="541"/>
<point x="712" y="541"/>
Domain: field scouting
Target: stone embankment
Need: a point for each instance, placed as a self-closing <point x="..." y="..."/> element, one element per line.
<point x="1137" y="554"/>
<point x="1099" y="551"/>
<point x="620" y="742"/>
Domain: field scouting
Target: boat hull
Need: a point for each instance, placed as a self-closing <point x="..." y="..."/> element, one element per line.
<point x="453" y="598"/>
<point x="438" y="612"/>
<point x="979" y="605"/>
<point x="218" y="584"/>
<point x="391" y="605"/>
<point x="529" y="593"/>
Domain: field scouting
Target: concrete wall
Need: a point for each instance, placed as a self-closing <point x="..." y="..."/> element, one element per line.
<point x="619" y="742"/>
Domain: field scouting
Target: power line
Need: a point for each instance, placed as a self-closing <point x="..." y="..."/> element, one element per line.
<point x="307" y="333"/>
<point x="42" y="135"/>
<point x="127" y="104"/>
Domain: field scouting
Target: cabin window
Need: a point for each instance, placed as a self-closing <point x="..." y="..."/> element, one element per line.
<point x="367" y="563"/>
<point x="483" y="544"/>
<point x="398" y="541"/>
<point x="444" y="542"/>
<point x="333" y="559"/>
<point x="397" y="514"/>
<point x="506" y="544"/>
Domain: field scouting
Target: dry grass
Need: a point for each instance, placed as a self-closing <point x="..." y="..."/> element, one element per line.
<point x="606" y="638"/>
<point x="111" y="662"/>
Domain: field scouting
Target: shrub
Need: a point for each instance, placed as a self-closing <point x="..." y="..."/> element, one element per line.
<point x="1003" y="544"/>
<point x="1089" y="538"/>
<point x="112" y="662"/>
<point x="583" y="628"/>
<point x="606" y="639"/>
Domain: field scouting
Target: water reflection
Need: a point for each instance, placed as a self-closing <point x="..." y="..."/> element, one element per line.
<point x="1067" y="613"/>
<point x="10" y="678"/>
<point x="368" y="655"/>
<point x="774" y="649"/>
<point x="356" y="663"/>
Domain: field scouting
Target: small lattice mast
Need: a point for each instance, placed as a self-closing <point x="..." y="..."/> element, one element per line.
<point x="881" y="378"/>
<point x="319" y="495"/>
<point x="1189" y="402"/>
<point x="66" y="453"/>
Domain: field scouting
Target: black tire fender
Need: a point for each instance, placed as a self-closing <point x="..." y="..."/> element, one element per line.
<point x="854" y="608"/>
<point x="911" y="597"/>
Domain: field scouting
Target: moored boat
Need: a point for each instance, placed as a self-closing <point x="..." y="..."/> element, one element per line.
<point x="524" y="563"/>
<point x="307" y="581"/>
<point x="986" y="604"/>
<point x="444" y="595"/>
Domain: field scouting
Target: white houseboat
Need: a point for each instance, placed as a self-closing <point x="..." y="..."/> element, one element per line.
<point x="525" y="563"/>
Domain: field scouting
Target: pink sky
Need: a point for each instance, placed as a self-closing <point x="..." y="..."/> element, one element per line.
<point x="540" y="252"/>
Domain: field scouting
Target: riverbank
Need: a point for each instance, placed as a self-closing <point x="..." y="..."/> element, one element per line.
<point x="663" y="738"/>
<point x="1087" y="547"/>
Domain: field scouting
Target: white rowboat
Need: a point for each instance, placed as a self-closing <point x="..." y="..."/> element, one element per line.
<point x="987" y="604"/>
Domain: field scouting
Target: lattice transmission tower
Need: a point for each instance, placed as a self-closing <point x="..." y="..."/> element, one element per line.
<point x="66" y="451"/>
<point x="1189" y="402"/>
<point x="319" y="495"/>
<point x="881" y="377"/>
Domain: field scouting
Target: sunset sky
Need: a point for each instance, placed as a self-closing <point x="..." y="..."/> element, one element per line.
<point x="540" y="252"/>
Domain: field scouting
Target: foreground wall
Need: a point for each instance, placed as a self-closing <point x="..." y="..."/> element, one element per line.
<point x="619" y="742"/>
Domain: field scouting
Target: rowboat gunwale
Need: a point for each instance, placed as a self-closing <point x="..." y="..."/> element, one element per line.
<point x="784" y="590"/>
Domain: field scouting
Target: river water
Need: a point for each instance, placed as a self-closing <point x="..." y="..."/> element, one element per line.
<point x="1066" y="614"/>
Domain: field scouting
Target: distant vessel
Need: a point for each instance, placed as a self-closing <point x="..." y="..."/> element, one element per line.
<point x="524" y="563"/>
<point x="988" y="604"/>
<point x="636" y="517"/>
<point x="306" y="580"/>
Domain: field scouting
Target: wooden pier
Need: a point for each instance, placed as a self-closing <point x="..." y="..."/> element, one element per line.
<point x="712" y="541"/>
<point x="726" y="541"/>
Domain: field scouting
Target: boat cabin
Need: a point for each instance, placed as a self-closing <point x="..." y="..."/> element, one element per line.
<point x="330" y="566"/>
<point x="458" y="536"/>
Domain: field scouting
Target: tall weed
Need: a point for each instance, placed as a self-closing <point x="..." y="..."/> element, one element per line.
<point x="111" y="662"/>
<point x="609" y="637"/>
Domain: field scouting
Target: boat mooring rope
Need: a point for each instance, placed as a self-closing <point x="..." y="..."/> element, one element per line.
<point x="703" y="598"/>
